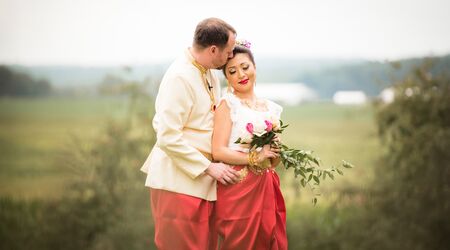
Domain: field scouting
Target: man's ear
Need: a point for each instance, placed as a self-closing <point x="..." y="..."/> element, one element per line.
<point x="213" y="49"/>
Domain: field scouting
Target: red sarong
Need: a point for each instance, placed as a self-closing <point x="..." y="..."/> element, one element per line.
<point x="251" y="214"/>
<point x="182" y="222"/>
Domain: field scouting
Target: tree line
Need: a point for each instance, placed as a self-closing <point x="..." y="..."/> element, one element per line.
<point x="19" y="84"/>
<point x="370" y="77"/>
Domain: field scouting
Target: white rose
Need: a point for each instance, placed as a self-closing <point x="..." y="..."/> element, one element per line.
<point x="259" y="128"/>
<point x="246" y="137"/>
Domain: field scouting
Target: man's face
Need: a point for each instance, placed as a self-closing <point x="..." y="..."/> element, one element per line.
<point x="222" y="55"/>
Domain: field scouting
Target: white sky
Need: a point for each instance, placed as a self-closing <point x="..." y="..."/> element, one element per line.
<point x="116" y="32"/>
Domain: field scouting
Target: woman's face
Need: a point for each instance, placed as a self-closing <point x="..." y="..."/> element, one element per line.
<point x="241" y="73"/>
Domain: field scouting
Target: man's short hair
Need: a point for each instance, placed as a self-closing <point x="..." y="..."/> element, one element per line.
<point x="212" y="31"/>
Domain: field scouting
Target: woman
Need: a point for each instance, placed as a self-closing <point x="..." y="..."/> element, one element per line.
<point x="250" y="214"/>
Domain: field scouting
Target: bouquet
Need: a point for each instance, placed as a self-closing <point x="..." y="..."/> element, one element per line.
<point x="305" y="165"/>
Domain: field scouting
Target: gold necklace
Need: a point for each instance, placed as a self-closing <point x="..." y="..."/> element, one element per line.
<point x="255" y="104"/>
<point x="208" y="87"/>
<point x="251" y="104"/>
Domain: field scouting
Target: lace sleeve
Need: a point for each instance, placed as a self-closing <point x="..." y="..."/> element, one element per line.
<point x="233" y="103"/>
<point x="275" y="109"/>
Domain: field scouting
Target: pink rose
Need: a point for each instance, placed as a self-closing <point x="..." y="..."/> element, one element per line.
<point x="249" y="127"/>
<point x="268" y="125"/>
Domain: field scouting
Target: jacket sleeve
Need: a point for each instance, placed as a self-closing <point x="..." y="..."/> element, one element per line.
<point x="173" y="106"/>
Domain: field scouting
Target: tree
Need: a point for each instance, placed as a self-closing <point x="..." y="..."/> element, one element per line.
<point x="20" y="84"/>
<point x="411" y="196"/>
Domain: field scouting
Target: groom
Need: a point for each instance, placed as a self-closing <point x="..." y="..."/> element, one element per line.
<point x="181" y="175"/>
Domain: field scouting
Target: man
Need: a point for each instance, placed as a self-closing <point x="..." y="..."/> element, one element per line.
<point x="181" y="176"/>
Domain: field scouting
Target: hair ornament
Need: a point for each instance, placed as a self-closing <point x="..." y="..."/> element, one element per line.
<point x="244" y="43"/>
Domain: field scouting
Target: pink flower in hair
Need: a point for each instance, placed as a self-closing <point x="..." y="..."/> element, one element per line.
<point x="244" y="43"/>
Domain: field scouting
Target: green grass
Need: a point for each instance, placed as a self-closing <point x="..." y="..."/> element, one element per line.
<point x="333" y="133"/>
<point x="35" y="132"/>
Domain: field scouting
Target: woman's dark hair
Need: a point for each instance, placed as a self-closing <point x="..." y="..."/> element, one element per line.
<point x="238" y="49"/>
<point x="212" y="31"/>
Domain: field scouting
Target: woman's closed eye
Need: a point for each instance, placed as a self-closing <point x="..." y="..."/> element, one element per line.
<point x="244" y="66"/>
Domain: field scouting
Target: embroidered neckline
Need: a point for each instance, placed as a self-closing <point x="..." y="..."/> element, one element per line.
<point x="260" y="105"/>
<point x="208" y="86"/>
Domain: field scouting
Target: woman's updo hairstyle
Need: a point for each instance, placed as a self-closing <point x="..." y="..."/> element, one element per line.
<point x="241" y="47"/>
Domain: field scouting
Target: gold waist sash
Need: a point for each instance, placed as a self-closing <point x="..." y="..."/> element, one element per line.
<point x="207" y="155"/>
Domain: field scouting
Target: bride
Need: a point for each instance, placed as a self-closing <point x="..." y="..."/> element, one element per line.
<point x="250" y="214"/>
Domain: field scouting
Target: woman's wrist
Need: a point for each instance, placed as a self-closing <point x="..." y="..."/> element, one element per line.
<point x="253" y="158"/>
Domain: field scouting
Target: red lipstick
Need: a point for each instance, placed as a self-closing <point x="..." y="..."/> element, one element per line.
<point x="245" y="81"/>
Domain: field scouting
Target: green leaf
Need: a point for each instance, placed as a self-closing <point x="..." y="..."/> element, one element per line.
<point x="317" y="161"/>
<point x="302" y="173"/>
<point x="316" y="179"/>
<point x="347" y="164"/>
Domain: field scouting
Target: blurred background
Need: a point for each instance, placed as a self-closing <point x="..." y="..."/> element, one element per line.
<point x="364" y="81"/>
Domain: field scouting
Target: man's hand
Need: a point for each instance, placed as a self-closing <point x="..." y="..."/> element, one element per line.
<point x="223" y="173"/>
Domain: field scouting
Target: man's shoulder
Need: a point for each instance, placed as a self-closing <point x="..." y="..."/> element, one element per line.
<point x="180" y="69"/>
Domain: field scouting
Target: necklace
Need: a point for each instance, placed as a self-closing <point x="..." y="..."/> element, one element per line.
<point x="254" y="104"/>
<point x="208" y="86"/>
<point x="250" y="103"/>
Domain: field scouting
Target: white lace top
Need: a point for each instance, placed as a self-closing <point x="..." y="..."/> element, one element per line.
<point x="241" y="115"/>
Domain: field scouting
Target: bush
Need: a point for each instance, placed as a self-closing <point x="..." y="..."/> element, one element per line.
<point x="411" y="194"/>
<point x="106" y="206"/>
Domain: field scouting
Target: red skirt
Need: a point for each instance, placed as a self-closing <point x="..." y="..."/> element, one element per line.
<point x="182" y="222"/>
<point x="252" y="213"/>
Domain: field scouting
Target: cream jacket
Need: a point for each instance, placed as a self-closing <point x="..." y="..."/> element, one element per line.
<point x="183" y="123"/>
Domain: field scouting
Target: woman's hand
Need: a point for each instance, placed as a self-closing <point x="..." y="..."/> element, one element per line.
<point x="275" y="161"/>
<point x="275" y="146"/>
<point x="276" y="142"/>
<point x="268" y="152"/>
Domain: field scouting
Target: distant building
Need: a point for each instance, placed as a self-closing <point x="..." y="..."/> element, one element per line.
<point x="285" y="93"/>
<point x="387" y="95"/>
<point x="349" y="97"/>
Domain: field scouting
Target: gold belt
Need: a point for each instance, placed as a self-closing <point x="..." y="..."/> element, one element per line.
<point x="207" y="155"/>
<point x="257" y="170"/>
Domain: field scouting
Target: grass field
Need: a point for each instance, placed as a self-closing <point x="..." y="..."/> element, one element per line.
<point x="334" y="133"/>
<point x="34" y="132"/>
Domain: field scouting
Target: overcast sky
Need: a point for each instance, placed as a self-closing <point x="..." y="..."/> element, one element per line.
<point x="117" y="32"/>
